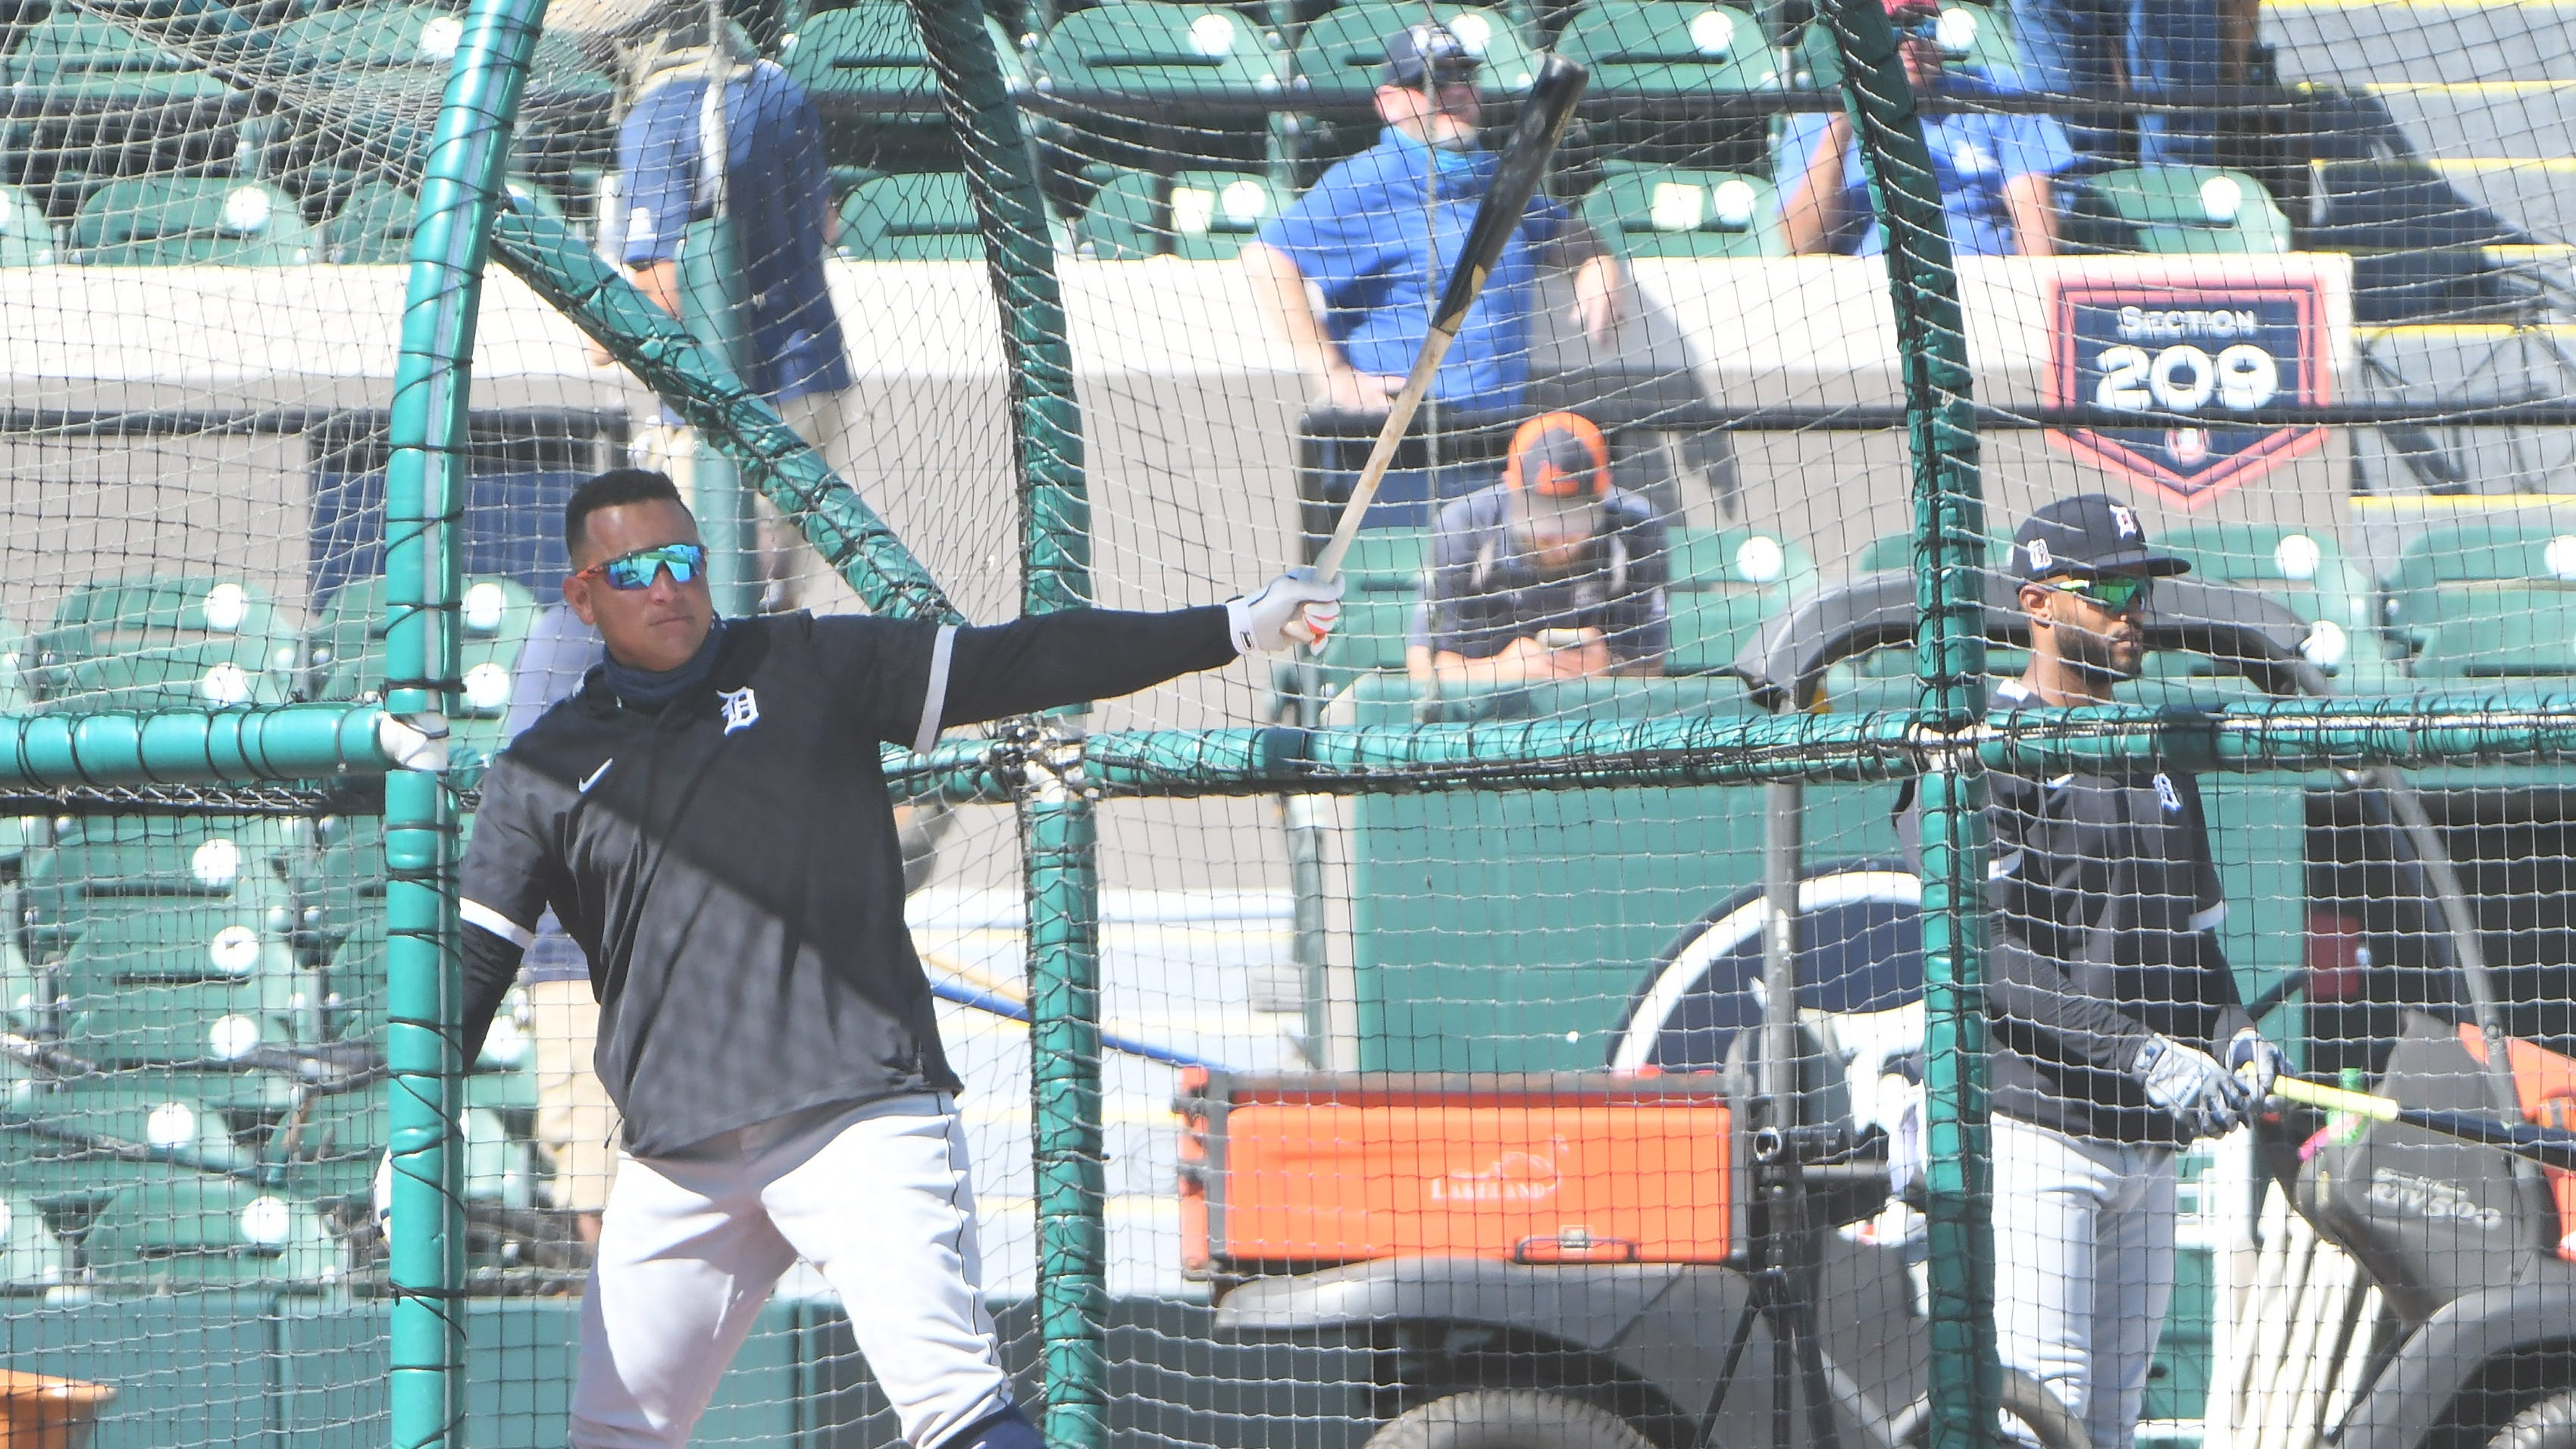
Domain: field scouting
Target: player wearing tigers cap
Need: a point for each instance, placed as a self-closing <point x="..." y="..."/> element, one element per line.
<point x="1552" y="573"/>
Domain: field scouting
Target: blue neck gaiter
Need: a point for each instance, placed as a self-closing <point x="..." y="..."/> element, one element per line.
<point x="650" y="690"/>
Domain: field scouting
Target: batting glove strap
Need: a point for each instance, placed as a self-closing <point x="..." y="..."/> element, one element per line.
<point x="2254" y="1063"/>
<point x="1292" y="609"/>
<point x="2188" y="1083"/>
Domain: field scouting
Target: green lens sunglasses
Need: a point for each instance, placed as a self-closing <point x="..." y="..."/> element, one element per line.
<point x="2118" y="593"/>
<point x="629" y="572"/>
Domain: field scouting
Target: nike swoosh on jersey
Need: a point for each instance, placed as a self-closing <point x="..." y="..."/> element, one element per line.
<point x="585" y="785"/>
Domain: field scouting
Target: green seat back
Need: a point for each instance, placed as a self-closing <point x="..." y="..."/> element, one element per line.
<point x="208" y="1231"/>
<point x="71" y="58"/>
<point x="26" y="236"/>
<point x="2462" y="570"/>
<point x="1670" y="47"/>
<point x="374" y="225"/>
<point x="1975" y="38"/>
<point x="1725" y="582"/>
<point x="1667" y="212"/>
<point x="1140" y="48"/>
<point x="2515" y="634"/>
<point x="872" y="51"/>
<point x="339" y="44"/>
<point x="31" y="1256"/>
<point x="924" y="217"/>
<point x="2304" y="569"/>
<point x="1199" y="216"/>
<point x="166" y="644"/>
<point x="159" y="221"/>
<point x="1892" y="551"/>
<point x="1340" y="55"/>
<point x="2175" y="210"/>
<point x="179" y="983"/>
<point x="1387" y="560"/>
<point x="493" y="616"/>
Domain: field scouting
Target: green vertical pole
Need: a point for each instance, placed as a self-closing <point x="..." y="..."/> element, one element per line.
<point x="1950" y="661"/>
<point x="424" y="502"/>
<point x="713" y="309"/>
<point x="1058" y="834"/>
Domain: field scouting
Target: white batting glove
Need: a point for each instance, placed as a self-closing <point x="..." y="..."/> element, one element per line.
<point x="2189" y="1084"/>
<point x="1293" y="609"/>
<point x="2255" y="1063"/>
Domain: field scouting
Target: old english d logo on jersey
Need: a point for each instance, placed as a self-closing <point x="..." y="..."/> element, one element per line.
<point x="742" y="709"/>
<point x="2166" y="794"/>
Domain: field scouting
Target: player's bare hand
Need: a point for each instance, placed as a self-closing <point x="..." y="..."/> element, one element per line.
<point x="1352" y="391"/>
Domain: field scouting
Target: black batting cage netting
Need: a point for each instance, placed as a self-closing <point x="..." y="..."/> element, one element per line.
<point x="1939" y="810"/>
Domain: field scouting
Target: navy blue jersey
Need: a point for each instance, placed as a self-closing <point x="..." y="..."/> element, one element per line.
<point x="1484" y="593"/>
<point x="778" y="197"/>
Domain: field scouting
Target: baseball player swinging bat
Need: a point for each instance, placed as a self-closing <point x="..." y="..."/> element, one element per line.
<point x="2544" y="1145"/>
<point x="1516" y="176"/>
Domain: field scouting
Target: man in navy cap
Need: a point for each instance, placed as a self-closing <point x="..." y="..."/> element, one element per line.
<point x="2118" y="1034"/>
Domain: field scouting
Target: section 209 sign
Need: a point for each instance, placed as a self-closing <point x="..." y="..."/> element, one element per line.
<point x="2196" y="356"/>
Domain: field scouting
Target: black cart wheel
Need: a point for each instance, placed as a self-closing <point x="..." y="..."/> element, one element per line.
<point x="2549" y="1424"/>
<point x="1508" y="1419"/>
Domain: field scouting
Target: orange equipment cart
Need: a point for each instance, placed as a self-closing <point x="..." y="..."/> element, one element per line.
<point x="1297" y="1171"/>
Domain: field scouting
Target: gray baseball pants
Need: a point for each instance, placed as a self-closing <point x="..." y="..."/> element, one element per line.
<point x="876" y="1197"/>
<point x="2084" y="1267"/>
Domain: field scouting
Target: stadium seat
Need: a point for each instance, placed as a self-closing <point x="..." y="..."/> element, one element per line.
<point x="177" y="1231"/>
<point x="1724" y="584"/>
<point x="2174" y="210"/>
<point x="1670" y="48"/>
<point x="1896" y="551"/>
<point x="32" y="1258"/>
<point x="340" y="44"/>
<point x="1166" y="51"/>
<point x="2304" y="570"/>
<point x="1340" y="55"/>
<point x="26" y="237"/>
<point x="871" y="52"/>
<point x="1387" y="560"/>
<point x="1975" y="38"/>
<point x="76" y="61"/>
<point x="347" y="661"/>
<point x="190" y="221"/>
<point x="374" y="225"/>
<point x="1198" y="216"/>
<point x="2494" y="598"/>
<point x="1667" y="212"/>
<point x="925" y="217"/>
<point x="143" y="644"/>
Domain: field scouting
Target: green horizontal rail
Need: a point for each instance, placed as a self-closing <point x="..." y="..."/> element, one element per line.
<point x="563" y="270"/>
<point x="1573" y="754"/>
<point x="190" y="747"/>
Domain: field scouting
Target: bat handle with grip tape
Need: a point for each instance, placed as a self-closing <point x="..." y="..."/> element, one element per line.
<point x="2334" y="1099"/>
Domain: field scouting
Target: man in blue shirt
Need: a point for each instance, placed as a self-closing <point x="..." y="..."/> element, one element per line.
<point x="774" y="189"/>
<point x="1994" y="171"/>
<point x="1379" y="249"/>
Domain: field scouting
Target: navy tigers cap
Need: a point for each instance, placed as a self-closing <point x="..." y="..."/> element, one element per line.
<point x="1415" y="46"/>
<point x="2086" y="536"/>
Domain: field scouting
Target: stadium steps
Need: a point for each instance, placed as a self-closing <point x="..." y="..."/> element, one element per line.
<point x="2482" y="90"/>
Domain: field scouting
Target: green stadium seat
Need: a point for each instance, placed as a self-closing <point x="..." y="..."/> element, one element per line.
<point x="369" y="78"/>
<point x="493" y="616"/>
<point x="871" y="52"/>
<point x="344" y="43"/>
<point x="2515" y="634"/>
<point x="1670" y="48"/>
<point x="2174" y="211"/>
<point x="26" y="237"/>
<point x="1975" y="38"/>
<point x="2305" y="570"/>
<point x="925" y="217"/>
<point x="1198" y="216"/>
<point x="178" y="984"/>
<point x="1166" y="51"/>
<point x="1896" y="551"/>
<point x="2483" y="568"/>
<point x="1387" y="560"/>
<point x="374" y="224"/>
<point x="192" y="221"/>
<point x="76" y="61"/>
<point x="1725" y="582"/>
<point x="206" y="1231"/>
<point x="143" y="644"/>
<point x="1669" y="212"/>
<point x="1339" y="57"/>
<point x="32" y="1258"/>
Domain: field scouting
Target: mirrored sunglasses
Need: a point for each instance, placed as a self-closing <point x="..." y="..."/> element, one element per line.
<point x="2118" y="593"/>
<point x="629" y="572"/>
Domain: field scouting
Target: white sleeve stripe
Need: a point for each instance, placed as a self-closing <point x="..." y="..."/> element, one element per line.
<point x="934" y="700"/>
<point x="475" y="913"/>
<point x="2209" y="920"/>
<point x="2003" y="865"/>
